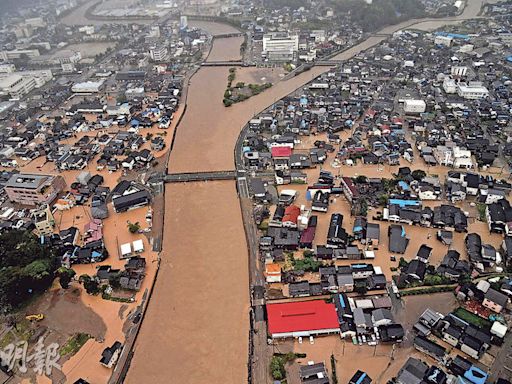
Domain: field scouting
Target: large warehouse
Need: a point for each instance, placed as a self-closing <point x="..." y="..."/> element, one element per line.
<point x="303" y="318"/>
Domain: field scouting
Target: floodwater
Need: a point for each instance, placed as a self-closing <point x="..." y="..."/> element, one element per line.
<point x="78" y="17"/>
<point x="212" y="28"/>
<point x="226" y="49"/>
<point x="196" y="326"/>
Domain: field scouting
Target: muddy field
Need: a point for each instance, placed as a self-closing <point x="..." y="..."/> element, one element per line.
<point x="212" y="28"/>
<point x="90" y="50"/>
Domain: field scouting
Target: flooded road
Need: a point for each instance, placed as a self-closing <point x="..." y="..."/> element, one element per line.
<point x="196" y="327"/>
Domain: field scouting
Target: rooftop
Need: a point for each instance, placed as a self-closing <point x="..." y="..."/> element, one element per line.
<point x="301" y="316"/>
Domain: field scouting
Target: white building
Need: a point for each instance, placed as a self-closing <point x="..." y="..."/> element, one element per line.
<point x="318" y="35"/>
<point x="37" y="22"/>
<point x="280" y="46"/>
<point x="154" y="31"/>
<point x="67" y="67"/>
<point x="67" y="56"/>
<point x="17" y="86"/>
<point x="414" y="106"/>
<point x="459" y="71"/>
<point x="462" y="158"/>
<point x="88" y="87"/>
<point x="443" y="40"/>
<point x="449" y="85"/>
<point x="472" y="90"/>
<point x="183" y="22"/>
<point x="7" y="68"/>
<point x="87" y="29"/>
<point x="18" y="53"/>
<point x="41" y="76"/>
<point x="159" y="53"/>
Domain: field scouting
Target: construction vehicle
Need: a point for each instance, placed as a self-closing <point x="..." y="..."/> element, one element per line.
<point x="36" y="317"/>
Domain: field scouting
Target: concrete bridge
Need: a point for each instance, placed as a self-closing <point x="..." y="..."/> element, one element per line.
<point x="227" y="35"/>
<point x="327" y="63"/>
<point x="224" y="64"/>
<point x="199" y="176"/>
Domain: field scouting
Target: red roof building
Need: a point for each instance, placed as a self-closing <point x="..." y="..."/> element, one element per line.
<point x="291" y="214"/>
<point x="281" y="152"/>
<point x="302" y="318"/>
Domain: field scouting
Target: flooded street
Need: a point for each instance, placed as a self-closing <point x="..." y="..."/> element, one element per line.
<point x="196" y="327"/>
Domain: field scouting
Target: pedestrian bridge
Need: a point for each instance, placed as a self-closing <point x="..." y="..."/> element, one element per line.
<point x="199" y="176"/>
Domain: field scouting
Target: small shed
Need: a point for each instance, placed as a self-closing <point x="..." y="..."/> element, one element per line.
<point x="126" y="250"/>
<point x="138" y="246"/>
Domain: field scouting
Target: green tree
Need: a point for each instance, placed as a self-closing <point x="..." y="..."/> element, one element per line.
<point x="277" y="368"/>
<point x="65" y="276"/>
<point x="114" y="280"/>
<point x="133" y="227"/>
<point x="383" y="199"/>
<point x="388" y="184"/>
<point x="418" y="174"/>
<point x="361" y="289"/>
<point x="121" y="99"/>
<point x="26" y="267"/>
<point x="91" y="285"/>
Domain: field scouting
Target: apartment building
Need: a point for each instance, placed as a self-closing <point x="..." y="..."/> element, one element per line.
<point x="43" y="220"/>
<point x="29" y="189"/>
<point x="159" y="53"/>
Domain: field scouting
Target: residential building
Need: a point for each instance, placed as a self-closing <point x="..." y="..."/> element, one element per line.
<point x="43" y="220"/>
<point x="313" y="374"/>
<point x="412" y="372"/>
<point x="30" y="189"/>
<point x="159" y="52"/>
<point x="495" y="300"/>
<point x="360" y="377"/>
<point x="110" y="355"/>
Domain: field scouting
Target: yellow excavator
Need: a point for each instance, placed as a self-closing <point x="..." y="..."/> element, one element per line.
<point x="36" y="317"/>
